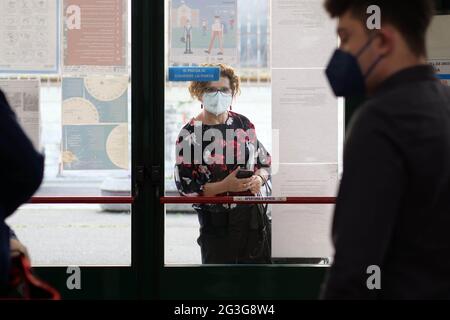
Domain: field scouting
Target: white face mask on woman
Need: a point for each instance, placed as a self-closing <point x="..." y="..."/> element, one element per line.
<point x="217" y="103"/>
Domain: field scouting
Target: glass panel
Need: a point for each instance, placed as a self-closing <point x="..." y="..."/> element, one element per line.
<point x="279" y="51"/>
<point x="78" y="81"/>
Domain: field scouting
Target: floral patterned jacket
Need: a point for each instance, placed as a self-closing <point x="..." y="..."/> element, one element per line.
<point x="209" y="153"/>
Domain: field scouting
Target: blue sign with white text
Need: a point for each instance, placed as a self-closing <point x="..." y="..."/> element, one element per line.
<point x="444" y="76"/>
<point x="201" y="74"/>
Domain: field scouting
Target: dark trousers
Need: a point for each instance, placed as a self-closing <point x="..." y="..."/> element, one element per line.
<point x="227" y="238"/>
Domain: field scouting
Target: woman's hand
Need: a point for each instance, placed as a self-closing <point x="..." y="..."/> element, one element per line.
<point x="256" y="184"/>
<point x="233" y="184"/>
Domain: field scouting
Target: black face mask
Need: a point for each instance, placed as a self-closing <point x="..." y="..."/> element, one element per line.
<point x="345" y="75"/>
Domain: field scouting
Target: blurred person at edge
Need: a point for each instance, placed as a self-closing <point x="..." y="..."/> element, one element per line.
<point x="21" y="172"/>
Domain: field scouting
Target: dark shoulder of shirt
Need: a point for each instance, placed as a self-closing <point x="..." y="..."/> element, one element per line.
<point x="410" y="107"/>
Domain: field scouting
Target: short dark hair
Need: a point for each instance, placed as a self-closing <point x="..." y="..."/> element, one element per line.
<point x="411" y="17"/>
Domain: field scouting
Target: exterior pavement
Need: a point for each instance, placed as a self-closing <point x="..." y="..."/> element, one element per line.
<point x="83" y="235"/>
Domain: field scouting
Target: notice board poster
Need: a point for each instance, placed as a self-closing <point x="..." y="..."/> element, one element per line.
<point x="95" y="35"/>
<point x="304" y="107"/>
<point x="29" y="33"/>
<point x="95" y="123"/>
<point x="438" y="47"/>
<point x="303" y="231"/>
<point x="442" y="68"/>
<point x="23" y="97"/>
<point x="95" y="147"/>
<point x="203" y="32"/>
<point x="303" y="35"/>
<point x="306" y="116"/>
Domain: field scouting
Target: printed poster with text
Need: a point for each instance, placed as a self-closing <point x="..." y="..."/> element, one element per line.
<point x="95" y="36"/>
<point x="95" y="123"/>
<point x="308" y="122"/>
<point x="438" y="47"/>
<point x="23" y="97"/>
<point x="203" y="32"/>
<point x="29" y="33"/>
<point x="442" y="68"/>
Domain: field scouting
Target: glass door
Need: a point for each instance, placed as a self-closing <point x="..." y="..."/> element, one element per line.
<point x="278" y="88"/>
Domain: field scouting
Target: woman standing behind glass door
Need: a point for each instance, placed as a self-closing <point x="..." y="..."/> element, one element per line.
<point x="202" y="170"/>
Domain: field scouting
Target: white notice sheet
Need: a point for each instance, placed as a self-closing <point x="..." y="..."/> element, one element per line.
<point x="303" y="231"/>
<point x="29" y="33"/>
<point x="23" y="96"/>
<point x="305" y="112"/>
<point x="438" y="40"/>
<point x="304" y="36"/>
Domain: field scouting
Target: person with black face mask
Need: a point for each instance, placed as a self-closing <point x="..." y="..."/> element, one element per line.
<point x="392" y="216"/>
<point x="345" y="74"/>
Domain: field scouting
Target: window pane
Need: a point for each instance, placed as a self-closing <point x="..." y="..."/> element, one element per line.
<point x="73" y="96"/>
<point x="280" y="52"/>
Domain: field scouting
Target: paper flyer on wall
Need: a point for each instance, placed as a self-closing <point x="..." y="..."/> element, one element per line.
<point x="438" y="38"/>
<point x="303" y="35"/>
<point x="29" y="33"/>
<point x="24" y="96"/>
<point x="95" y="147"/>
<point x="438" y="47"/>
<point x="442" y="68"/>
<point x="203" y="32"/>
<point x="95" y="36"/>
<point x="95" y="123"/>
<point x="303" y="231"/>
<point x="305" y="112"/>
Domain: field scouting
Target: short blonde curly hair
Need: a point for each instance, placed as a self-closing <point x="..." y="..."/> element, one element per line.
<point x="197" y="89"/>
